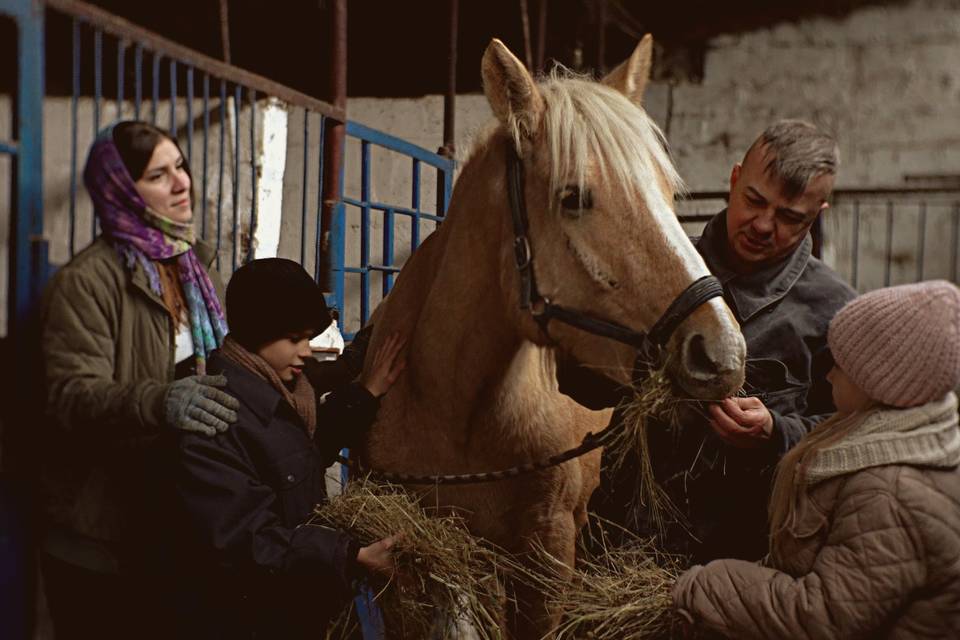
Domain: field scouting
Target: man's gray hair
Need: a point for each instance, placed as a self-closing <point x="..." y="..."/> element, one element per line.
<point x="796" y="152"/>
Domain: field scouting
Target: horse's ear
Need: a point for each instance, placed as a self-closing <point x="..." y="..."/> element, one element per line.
<point x="631" y="76"/>
<point x="511" y="91"/>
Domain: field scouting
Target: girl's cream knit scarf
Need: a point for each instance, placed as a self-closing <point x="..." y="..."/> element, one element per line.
<point x="927" y="435"/>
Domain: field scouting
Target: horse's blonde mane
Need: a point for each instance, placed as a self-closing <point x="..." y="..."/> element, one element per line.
<point x="590" y="126"/>
<point x="586" y="122"/>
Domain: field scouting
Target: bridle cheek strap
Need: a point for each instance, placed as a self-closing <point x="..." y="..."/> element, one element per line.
<point x="697" y="293"/>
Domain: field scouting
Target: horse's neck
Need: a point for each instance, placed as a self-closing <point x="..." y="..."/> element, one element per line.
<point x="466" y="346"/>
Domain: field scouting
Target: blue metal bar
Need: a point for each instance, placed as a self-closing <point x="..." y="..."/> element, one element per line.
<point x="415" y="203"/>
<point x="447" y="188"/>
<point x="393" y="143"/>
<point x="10" y="148"/>
<point x="364" y="229"/>
<point x="173" y="98"/>
<point x="236" y="175"/>
<point x="337" y="241"/>
<point x="403" y="211"/>
<point x="26" y="206"/>
<point x="303" y="203"/>
<point x="888" y="253"/>
<point x="137" y="79"/>
<point x="223" y="127"/>
<point x="190" y="117"/>
<point x="388" y="267"/>
<point x="74" y="108"/>
<point x="121" y="60"/>
<point x="206" y="142"/>
<point x="156" y="87"/>
<point x="317" y="262"/>
<point x="253" y="171"/>
<point x="921" y="239"/>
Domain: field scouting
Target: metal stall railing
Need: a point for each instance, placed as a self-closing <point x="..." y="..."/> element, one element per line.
<point x="120" y="70"/>
<point x="22" y="153"/>
<point x="208" y="104"/>
<point x="368" y="206"/>
<point x="881" y="237"/>
<point x="26" y="250"/>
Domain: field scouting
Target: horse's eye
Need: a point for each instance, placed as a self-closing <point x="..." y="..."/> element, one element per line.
<point x="574" y="200"/>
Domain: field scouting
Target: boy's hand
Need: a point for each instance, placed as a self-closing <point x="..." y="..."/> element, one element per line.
<point x="377" y="558"/>
<point x="386" y="366"/>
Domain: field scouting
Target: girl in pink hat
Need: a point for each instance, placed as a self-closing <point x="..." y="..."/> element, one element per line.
<point x="865" y="510"/>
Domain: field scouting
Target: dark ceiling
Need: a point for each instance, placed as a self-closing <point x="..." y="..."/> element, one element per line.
<point x="398" y="47"/>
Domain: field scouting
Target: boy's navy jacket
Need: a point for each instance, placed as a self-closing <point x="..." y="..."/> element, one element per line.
<point x="246" y="494"/>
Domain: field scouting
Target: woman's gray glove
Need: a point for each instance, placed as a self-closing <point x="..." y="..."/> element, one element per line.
<point x="196" y="404"/>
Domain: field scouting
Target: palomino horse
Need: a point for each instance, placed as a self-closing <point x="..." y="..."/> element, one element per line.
<point x="480" y="392"/>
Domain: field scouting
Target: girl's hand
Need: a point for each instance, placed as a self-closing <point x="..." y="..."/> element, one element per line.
<point x="386" y="366"/>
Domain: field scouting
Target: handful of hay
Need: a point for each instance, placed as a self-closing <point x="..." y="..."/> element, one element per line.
<point x="652" y="399"/>
<point x="615" y="593"/>
<point x="443" y="573"/>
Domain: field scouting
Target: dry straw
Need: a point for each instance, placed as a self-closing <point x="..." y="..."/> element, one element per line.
<point x="616" y="593"/>
<point x="652" y="400"/>
<point x="444" y="575"/>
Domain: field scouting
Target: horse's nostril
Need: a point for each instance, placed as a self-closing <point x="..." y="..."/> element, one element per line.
<point x="696" y="358"/>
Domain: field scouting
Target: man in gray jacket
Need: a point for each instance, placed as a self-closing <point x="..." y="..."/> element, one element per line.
<point x="717" y="467"/>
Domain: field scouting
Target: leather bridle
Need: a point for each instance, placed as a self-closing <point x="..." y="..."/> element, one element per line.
<point x="543" y="310"/>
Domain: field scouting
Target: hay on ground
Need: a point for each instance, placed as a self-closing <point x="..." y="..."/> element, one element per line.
<point x="615" y="593"/>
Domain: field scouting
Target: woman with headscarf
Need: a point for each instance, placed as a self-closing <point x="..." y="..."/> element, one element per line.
<point x="127" y="326"/>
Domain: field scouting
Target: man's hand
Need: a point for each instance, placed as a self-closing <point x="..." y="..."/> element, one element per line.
<point x="741" y="422"/>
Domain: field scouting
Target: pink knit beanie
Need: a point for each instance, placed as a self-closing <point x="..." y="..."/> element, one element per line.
<point x="901" y="345"/>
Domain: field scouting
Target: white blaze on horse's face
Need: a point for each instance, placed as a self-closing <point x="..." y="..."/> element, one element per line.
<point x="599" y="186"/>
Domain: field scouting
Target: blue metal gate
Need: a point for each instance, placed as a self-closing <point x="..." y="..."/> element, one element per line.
<point x="208" y="104"/>
<point x="368" y="207"/>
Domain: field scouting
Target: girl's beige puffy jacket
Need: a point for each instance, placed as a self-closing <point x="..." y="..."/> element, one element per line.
<point x="873" y="554"/>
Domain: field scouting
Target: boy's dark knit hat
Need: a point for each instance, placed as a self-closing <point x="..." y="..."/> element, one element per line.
<point x="271" y="298"/>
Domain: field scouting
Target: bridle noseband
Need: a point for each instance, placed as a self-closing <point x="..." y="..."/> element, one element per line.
<point x="543" y="311"/>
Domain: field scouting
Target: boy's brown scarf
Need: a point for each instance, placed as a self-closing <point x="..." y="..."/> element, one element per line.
<point x="303" y="399"/>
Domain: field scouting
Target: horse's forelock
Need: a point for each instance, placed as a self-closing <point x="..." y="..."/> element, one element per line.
<point x="589" y="126"/>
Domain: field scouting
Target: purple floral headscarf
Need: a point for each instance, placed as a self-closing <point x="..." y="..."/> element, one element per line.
<point x="141" y="236"/>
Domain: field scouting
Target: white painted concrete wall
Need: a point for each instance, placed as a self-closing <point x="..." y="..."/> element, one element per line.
<point x="885" y="79"/>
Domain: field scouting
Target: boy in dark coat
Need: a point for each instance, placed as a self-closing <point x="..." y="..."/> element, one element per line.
<point x="247" y="492"/>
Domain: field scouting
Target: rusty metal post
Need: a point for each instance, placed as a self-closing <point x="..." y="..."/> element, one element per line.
<point x="448" y="150"/>
<point x="450" y="97"/>
<point x="527" y="48"/>
<point x="224" y="30"/>
<point x="601" y="37"/>
<point x="541" y="35"/>
<point x="334" y="139"/>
